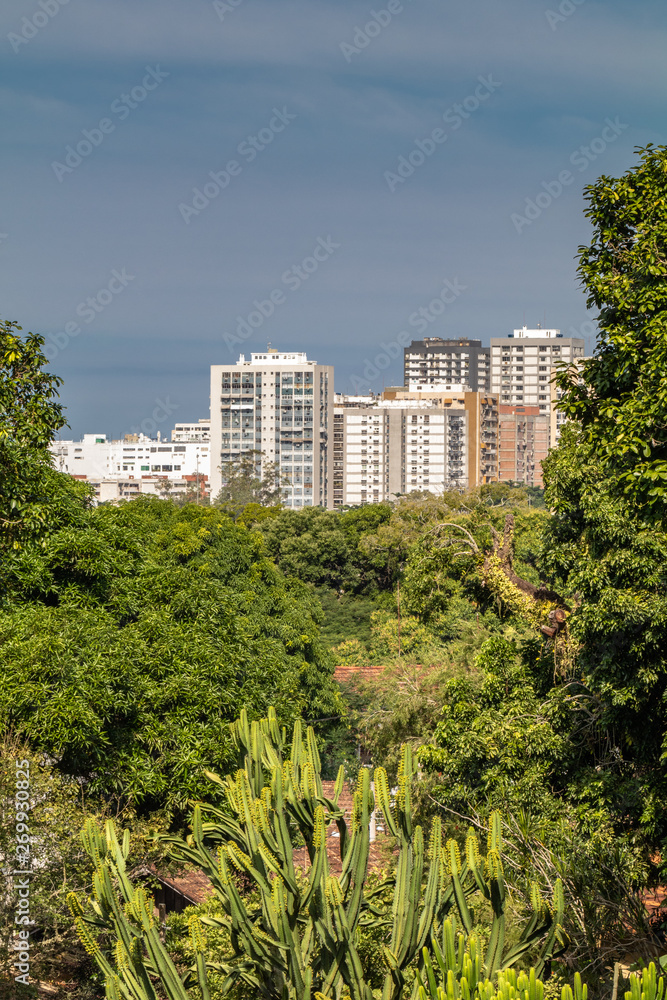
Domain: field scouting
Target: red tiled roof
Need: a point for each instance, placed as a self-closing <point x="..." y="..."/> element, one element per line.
<point x="351" y="671"/>
<point x="346" y="672"/>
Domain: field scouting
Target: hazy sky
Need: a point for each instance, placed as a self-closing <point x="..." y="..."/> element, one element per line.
<point x="115" y="111"/>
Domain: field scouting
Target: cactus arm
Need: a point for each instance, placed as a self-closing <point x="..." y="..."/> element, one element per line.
<point x="319" y="869"/>
<point x="313" y="756"/>
<point x="406" y="770"/>
<point x="338" y="786"/>
<point x="494" y="951"/>
<point x="355" y="873"/>
<point x="475" y="862"/>
<point x="382" y="792"/>
<point x="432" y="886"/>
<point x="455" y="871"/>
<point x="409" y="945"/>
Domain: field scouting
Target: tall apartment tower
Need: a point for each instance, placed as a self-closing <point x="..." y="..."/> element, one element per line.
<point x="450" y="363"/>
<point x="522" y="366"/>
<point x="278" y="404"/>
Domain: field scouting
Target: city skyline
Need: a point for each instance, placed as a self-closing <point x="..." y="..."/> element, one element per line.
<point x="168" y="167"/>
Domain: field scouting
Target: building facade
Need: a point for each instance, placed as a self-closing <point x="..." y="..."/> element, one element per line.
<point x="111" y="490"/>
<point x="278" y="405"/>
<point x="95" y="458"/>
<point x="523" y="442"/>
<point x="201" y="431"/>
<point x="393" y="446"/>
<point x="522" y="366"/>
<point x="448" y="363"/>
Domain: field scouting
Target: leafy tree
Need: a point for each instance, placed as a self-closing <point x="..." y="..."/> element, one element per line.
<point x="508" y="739"/>
<point x="244" y="483"/>
<point x="131" y="642"/>
<point x="605" y="546"/>
<point x="33" y="496"/>
<point x="619" y="396"/>
<point x="310" y="545"/>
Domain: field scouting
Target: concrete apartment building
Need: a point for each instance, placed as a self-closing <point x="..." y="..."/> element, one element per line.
<point x="280" y="405"/>
<point x="201" y="431"/>
<point x="112" y="490"/>
<point x="523" y="441"/>
<point x="522" y="366"/>
<point x="448" y="363"/>
<point x="405" y="441"/>
<point x="481" y="422"/>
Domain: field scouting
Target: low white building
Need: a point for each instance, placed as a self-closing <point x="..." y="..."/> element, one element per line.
<point x="95" y="458"/>
<point x="201" y="431"/>
<point x="111" y="490"/>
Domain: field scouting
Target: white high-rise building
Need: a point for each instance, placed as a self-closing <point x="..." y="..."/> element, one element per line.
<point x="279" y="405"/>
<point x="522" y="365"/>
<point x="395" y="446"/>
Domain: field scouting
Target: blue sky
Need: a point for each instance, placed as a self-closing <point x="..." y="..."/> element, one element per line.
<point x="322" y="170"/>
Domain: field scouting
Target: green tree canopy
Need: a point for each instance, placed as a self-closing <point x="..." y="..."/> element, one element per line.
<point x="132" y="640"/>
<point x="620" y="395"/>
<point x="33" y="497"/>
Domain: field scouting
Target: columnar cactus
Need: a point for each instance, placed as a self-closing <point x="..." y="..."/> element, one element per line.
<point x="459" y="973"/>
<point x="299" y="942"/>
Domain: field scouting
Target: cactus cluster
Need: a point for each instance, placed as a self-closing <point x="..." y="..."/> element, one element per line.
<point x="295" y="938"/>
<point x="457" y="971"/>
<point x="125" y="914"/>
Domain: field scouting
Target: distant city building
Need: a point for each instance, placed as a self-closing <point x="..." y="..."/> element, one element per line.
<point x="279" y="405"/>
<point x="201" y="431"/>
<point x="450" y="363"/>
<point x="406" y="441"/>
<point x="523" y="442"/>
<point x="481" y="425"/>
<point x="523" y="364"/>
<point x="95" y="458"/>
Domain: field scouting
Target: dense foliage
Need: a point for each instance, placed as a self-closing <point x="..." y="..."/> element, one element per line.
<point x="620" y="398"/>
<point x="33" y="498"/>
<point x="129" y="643"/>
